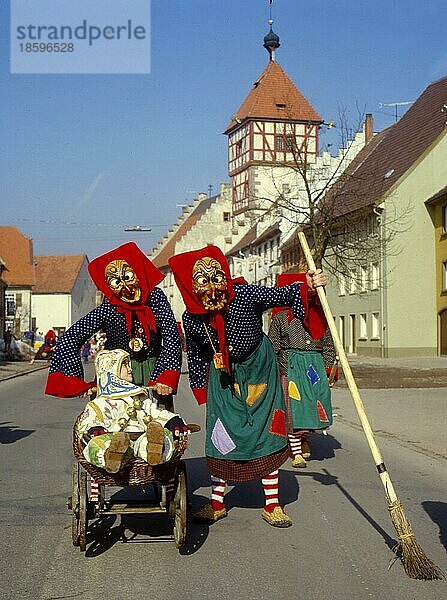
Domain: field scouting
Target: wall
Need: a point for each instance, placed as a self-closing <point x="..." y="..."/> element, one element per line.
<point x="83" y="295"/>
<point x="411" y="275"/>
<point x="51" y="311"/>
<point x="353" y="301"/>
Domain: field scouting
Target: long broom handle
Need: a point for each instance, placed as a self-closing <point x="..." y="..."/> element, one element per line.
<point x="383" y="473"/>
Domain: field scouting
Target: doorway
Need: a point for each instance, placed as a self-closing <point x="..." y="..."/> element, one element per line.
<point x="443" y="333"/>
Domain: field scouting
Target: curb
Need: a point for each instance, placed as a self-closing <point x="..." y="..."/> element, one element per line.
<point x="20" y="373"/>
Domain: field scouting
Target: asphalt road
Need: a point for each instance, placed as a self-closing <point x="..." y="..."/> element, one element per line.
<point x="339" y="547"/>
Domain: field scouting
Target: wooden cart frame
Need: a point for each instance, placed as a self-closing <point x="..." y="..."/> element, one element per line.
<point x="134" y="472"/>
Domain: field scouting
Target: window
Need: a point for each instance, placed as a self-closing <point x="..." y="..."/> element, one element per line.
<point x="375" y="276"/>
<point x="363" y="326"/>
<point x="279" y="143"/>
<point x="290" y="143"/>
<point x="375" y="325"/>
<point x="342" y="285"/>
<point x="363" y="278"/>
<point x="341" y="329"/>
<point x="238" y="148"/>
<point x="444" y="276"/>
<point x="352" y="281"/>
<point x="444" y="218"/>
<point x="10" y="305"/>
<point x="226" y="217"/>
<point x="18" y="300"/>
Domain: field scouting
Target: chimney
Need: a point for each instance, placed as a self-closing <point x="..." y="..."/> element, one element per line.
<point x="369" y="127"/>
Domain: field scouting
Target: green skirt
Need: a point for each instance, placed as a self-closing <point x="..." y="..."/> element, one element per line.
<point x="309" y="394"/>
<point x="143" y="369"/>
<point x="142" y="372"/>
<point x="245" y="414"/>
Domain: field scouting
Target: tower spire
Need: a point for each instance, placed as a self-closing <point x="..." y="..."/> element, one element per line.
<point x="271" y="40"/>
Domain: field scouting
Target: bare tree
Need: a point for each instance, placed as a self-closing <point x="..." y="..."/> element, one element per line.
<point x="334" y="199"/>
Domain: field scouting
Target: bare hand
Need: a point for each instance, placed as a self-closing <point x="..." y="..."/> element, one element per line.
<point x="315" y="279"/>
<point x="91" y="392"/>
<point x="162" y="389"/>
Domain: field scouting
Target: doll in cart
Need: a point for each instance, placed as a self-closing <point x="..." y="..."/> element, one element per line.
<point x="123" y="421"/>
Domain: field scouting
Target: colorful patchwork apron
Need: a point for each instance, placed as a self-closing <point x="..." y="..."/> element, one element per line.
<point x="308" y="390"/>
<point x="245" y="417"/>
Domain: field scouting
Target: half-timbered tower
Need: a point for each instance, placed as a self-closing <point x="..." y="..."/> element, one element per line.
<point x="273" y="132"/>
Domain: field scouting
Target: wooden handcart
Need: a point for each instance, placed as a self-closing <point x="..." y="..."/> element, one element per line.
<point x="135" y="472"/>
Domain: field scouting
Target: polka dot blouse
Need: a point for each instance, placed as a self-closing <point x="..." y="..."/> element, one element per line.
<point x="243" y="326"/>
<point x="165" y="343"/>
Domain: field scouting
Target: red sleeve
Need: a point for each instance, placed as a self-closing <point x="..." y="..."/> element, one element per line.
<point x="200" y="395"/>
<point x="66" y="386"/>
<point x="170" y="378"/>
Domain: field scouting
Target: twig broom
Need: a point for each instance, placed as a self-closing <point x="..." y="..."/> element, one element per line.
<point x="416" y="564"/>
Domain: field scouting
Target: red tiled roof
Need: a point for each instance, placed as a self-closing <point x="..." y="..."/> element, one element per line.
<point x="161" y="259"/>
<point x="244" y="242"/>
<point x="269" y="233"/>
<point x="390" y="154"/>
<point x="250" y="239"/>
<point x="275" y="96"/>
<point x="17" y="253"/>
<point x="57" y="274"/>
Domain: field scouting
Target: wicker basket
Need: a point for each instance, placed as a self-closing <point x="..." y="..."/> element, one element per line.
<point x="134" y="472"/>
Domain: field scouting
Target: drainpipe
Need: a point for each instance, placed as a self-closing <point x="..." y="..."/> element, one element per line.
<point x="380" y="213"/>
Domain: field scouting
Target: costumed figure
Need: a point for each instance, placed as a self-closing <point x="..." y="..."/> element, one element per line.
<point x="123" y="420"/>
<point x="305" y="364"/>
<point x="232" y="367"/>
<point x="134" y="315"/>
<point x="47" y="349"/>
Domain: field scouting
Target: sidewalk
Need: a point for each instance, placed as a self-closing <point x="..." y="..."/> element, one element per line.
<point x="16" y="368"/>
<point x="389" y="373"/>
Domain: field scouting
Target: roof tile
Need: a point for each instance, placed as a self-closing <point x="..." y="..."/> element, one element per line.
<point x="57" y="274"/>
<point x="391" y="153"/>
<point x="16" y="251"/>
<point x="275" y="96"/>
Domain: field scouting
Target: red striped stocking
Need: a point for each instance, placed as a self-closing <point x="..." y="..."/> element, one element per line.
<point x="270" y="485"/>
<point x="295" y="444"/>
<point x="217" y="492"/>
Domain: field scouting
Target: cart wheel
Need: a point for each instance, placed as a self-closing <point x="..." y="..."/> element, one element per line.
<point x="101" y="497"/>
<point x="83" y="520"/>
<point x="181" y="507"/>
<point x="73" y="503"/>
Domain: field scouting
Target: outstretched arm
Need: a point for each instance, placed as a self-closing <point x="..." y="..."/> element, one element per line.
<point x="166" y="374"/>
<point x="66" y="376"/>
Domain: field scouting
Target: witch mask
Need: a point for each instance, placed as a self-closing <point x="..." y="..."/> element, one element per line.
<point x="123" y="282"/>
<point x="209" y="282"/>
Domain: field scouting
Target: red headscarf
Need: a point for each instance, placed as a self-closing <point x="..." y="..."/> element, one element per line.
<point x="148" y="275"/>
<point x="315" y="321"/>
<point x="50" y="338"/>
<point x="182" y="266"/>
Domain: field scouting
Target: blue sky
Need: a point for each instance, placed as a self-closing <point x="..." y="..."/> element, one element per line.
<point x="83" y="156"/>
